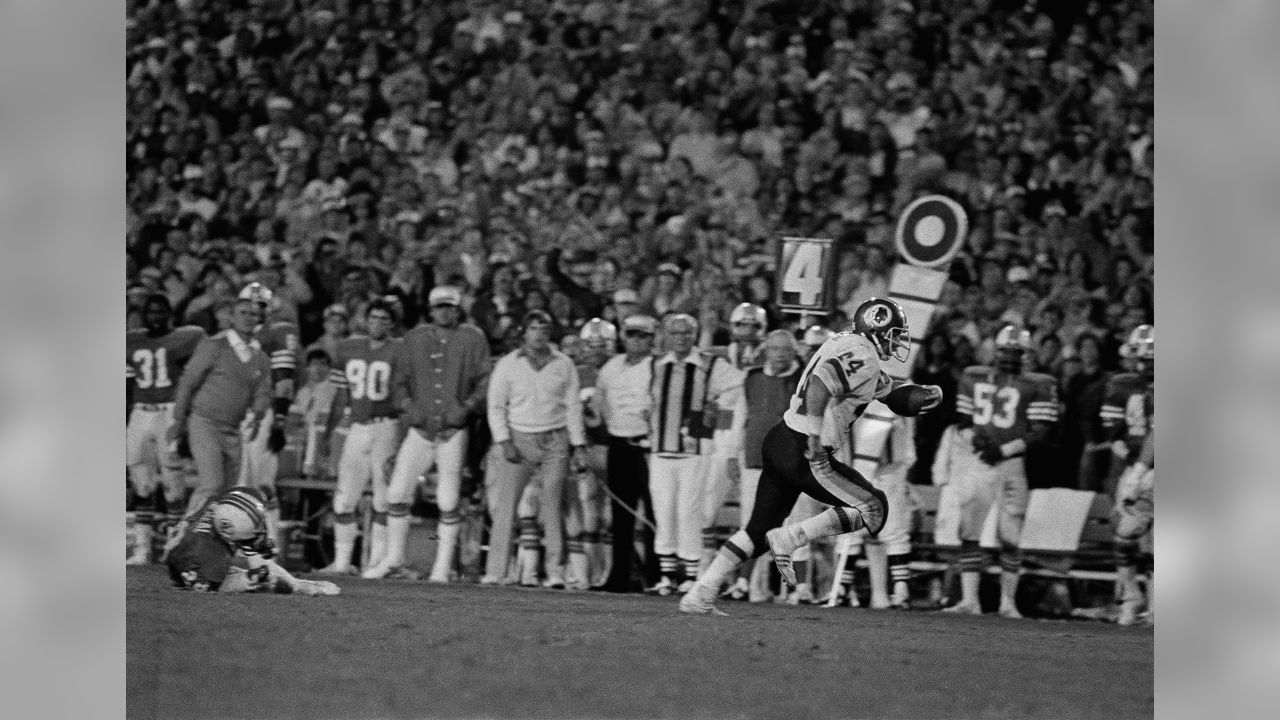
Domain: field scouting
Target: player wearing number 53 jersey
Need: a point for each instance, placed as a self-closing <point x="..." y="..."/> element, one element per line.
<point x="362" y="374"/>
<point x="154" y="359"/>
<point x="1002" y="411"/>
<point x="840" y="380"/>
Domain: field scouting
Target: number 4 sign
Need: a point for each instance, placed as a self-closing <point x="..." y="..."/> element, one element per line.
<point x="804" y="268"/>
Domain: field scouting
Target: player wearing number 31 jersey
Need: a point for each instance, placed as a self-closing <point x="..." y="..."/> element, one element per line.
<point x="362" y="374"/>
<point x="1003" y="411"/>
<point x="154" y="359"/>
<point x="840" y="380"/>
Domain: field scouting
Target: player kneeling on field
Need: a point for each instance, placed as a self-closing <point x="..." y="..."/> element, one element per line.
<point x="228" y="549"/>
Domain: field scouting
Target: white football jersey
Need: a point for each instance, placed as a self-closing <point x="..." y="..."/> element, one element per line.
<point x="849" y="366"/>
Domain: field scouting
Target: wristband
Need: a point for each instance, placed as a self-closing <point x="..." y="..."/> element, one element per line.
<point x="1013" y="447"/>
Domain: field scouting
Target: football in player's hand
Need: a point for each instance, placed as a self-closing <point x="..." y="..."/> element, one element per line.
<point x="911" y="400"/>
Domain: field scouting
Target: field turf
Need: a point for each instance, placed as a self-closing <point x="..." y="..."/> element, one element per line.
<point x="409" y="649"/>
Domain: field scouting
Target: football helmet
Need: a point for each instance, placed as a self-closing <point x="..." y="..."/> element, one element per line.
<point x="1141" y="347"/>
<point x="1012" y="345"/>
<point x="239" y="517"/>
<point x="816" y="335"/>
<point x="884" y="323"/>
<point x="599" y="332"/>
<point x="743" y="316"/>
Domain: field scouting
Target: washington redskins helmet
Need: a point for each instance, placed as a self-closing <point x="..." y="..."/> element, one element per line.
<point x="749" y="313"/>
<point x="599" y="332"/>
<point x="1012" y="345"/>
<point x="884" y="323"/>
<point x="240" y="518"/>
<point x="1141" y="347"/>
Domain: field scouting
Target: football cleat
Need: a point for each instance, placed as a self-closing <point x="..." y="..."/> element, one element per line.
<point x="664" y="587"/>
<point x="782" y="554"/>
<point x="738" y="591"/>
<point x="964" y="609"/>
<point x="700" y="600"/>
<point x="316" y="587"/>
<point x="1009" y="611"/>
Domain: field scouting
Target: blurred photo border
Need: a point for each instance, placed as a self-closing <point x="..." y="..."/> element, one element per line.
<point x="1218" y="306"/>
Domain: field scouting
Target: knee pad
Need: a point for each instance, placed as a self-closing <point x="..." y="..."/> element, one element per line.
<point x="450" y="517"/>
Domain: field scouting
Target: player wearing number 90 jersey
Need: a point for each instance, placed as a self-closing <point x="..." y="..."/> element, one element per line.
<point x="362" y="374"/>
<point x="1004" y="411"/>
<point x="154" y="359"/>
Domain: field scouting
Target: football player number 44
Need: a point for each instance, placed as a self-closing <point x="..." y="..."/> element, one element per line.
<point x="995" y="406"/>
<point x="804" y="275"/>
<point x="370" y="380"/>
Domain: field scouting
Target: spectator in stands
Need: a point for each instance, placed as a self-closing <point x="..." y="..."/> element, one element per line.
<point x="336" y="327"/>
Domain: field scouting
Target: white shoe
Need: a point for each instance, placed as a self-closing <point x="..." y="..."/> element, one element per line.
<point x="442" y="578"/>
<point x="781" y="554"/>
<point x="378" y="571"/>
<point x="685" y="587"/>
<point x="738" y="591"/>
<point x="700" y="600"/>
<point x="316" y="587"/>
<point x="335" y="569"/>
<point x="664" y="587"/>
<point x="1128" y="614"/>
<point x="964" y="608"/>
<point x="802" y="596"/>
<point x="1009" y="611"/>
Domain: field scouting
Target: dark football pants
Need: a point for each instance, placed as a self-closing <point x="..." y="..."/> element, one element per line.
<point x="786" y="474"/>
<point x="627" y="472"/>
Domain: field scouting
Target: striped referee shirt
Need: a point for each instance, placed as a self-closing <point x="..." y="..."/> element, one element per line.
<point x="682" y="386"/>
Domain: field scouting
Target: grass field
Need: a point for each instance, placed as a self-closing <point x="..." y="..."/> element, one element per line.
<point x="407" y="649"/>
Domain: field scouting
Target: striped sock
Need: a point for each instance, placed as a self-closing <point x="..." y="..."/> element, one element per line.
<point x="668" y="566"/>
<point x="735" y="551"/>
<point x="690" y="568"/>
<point x="847" y="572"/>
<point x="832" y="521"/>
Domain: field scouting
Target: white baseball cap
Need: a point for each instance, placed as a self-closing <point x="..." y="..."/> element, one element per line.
<point x="445" y="295"/>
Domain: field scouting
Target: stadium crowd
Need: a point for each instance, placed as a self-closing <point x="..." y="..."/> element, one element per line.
<point x="600" y="159"/>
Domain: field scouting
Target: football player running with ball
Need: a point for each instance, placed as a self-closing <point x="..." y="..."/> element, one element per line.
<point x="840" y="380"/>
<point x="1002" y="411"/>
<point x="229" y="549"/>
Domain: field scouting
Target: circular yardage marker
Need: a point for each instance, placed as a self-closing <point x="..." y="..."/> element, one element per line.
<point x="931" y="231"/>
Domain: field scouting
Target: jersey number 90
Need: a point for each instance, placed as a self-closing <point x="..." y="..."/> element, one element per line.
<point x="369" y="380"/>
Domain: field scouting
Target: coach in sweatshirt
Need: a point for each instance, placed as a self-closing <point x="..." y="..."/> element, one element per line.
<point x="228" y="376"/>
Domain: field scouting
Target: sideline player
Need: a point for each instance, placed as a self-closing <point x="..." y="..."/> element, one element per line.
<point x="1127" y="412"/>
<point x="154" y="359"/>
<point x="587" y="510"/>
<point x="362" y="375"/>
<point x="1004" y="411"/>
<point x="229" y="549"/>
<point x="746" y="350"/>
<point x="841" y="379"/>
<point x="261" y="456"/>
